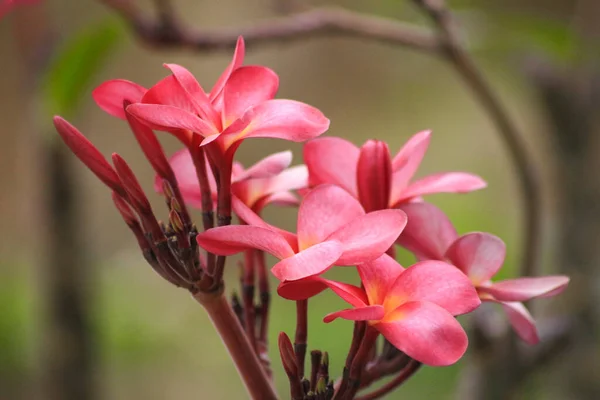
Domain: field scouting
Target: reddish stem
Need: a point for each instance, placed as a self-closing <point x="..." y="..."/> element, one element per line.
<point x="247" y="363"/>
<point x="248" y="295"/>
<point x="265" y="294"/>
<point x="223" y="210"/>
<point x="301" y="334"/>
<point x="402" y="377"/>
<point x="358" y="364"/>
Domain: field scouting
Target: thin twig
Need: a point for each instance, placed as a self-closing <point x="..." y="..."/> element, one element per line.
<point x="528" y="175"/>
<point x="325" y="21"/>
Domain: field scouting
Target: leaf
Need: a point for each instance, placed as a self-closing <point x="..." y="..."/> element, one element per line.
<point x="72" y="70"/>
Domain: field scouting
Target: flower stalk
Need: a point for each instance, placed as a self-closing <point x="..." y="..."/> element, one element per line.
<point x="235" y="340"/>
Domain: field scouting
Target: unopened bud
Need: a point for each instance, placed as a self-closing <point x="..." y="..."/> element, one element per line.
<point x="88" y="154"/>
<point x="288" y="358"/>
<point x="150" y="146"/>
<point x="131" y="185"/>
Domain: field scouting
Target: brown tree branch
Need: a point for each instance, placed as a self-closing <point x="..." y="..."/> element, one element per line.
<point x="326" y="21"/>
<point x="528" y="175"/>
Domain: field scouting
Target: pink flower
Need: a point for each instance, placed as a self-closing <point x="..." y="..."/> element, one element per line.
<point x="413" y="308"/>
<point x="7" y="6"/>
<point x="373" y="177"/>
<point x="269" y="181"/>
<point x="430" y="235"/>
<point x="239" y="106"/>
<point x="333" y="229"/>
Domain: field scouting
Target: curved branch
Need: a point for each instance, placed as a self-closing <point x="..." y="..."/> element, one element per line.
<point x="317" y="22"/>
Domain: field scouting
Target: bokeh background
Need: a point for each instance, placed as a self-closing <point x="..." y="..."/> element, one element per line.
<point x="148" y="340"/>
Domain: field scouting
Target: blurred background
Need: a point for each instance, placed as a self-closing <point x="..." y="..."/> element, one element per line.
<point x="82" y="316"/>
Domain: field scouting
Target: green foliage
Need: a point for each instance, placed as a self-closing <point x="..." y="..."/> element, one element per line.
<point x="76" y="63"/>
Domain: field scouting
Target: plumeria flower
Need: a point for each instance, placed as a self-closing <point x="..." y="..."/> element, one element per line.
<point x="269" y="181"/>
<point x="371" y="175"/>
<point x="7" y="6"/>
<point x="412" y="308"/>
<point x="430" y="235"/>
<point x="333" y="229"/>
<point x="241" y="104"/>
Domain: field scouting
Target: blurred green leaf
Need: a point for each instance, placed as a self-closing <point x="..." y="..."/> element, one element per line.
<point x="76" y="63"/>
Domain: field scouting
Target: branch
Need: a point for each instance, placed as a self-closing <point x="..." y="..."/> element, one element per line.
<point x="455" y="53"/>
<point x="318" y="22"/>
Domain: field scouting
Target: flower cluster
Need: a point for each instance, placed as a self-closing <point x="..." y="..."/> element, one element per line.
<point x="355" y="205"/>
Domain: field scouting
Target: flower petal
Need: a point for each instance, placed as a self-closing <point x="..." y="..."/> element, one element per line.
<point x="368" y="313"/>
<point x="236" y="62"/>
<point x="523" y="289"/>
<point x="408" y="159"/>
<point x="436" y="282"/>
<point x="312" y="285"/>
<point x="247" y="87"/>
<point x="168" y="118"/>
<point x="428" y="233"/>
<point x="185" y="172"/>
<point x="369" y="236"/>
<point x="521" y="321"/>
<point x="426" y="332"/>
<point x="377" y="276"/>
<point x="479" y="255"/>
<point x="332" y="160"/>
<point x="252" y="190"/>
<point x="447" y="182"/>
<point x="323" y="211"/>
<point x="232" y="239"/>
<point x="268" y="166"/>
<point x="311" y="261"/>
<point x="111" y="95"/>
<point x="279" y="118"/>
<point x="195" y="93"/>
<point x="251" y="218"/>
<point x="374" y="175"/>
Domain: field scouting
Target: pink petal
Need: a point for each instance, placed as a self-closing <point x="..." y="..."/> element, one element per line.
<point x="169" y="92"/>
<point x="279" y="118"/>
<point x="301" y="289"/>
<point x="368" y="313"/>
<point x="312" y="285"/>
<point x="377" y="276"/>
<point x="332" y="160"/>
<point x="408" y="159"/>
<point x="247" y="87"/>
<point x="436" y="282"/>
<point x="185" y="172"/>
<point x="323" y="211"/>
<point x="521" y="321"/>
<point x="283" y="199"/>
<point x="311" y="261"/>
<point x="111" y="95"/>
<point x="251" y="218"/>
<point x="428" y="233"/>
<point x="426" y="332"/>
<point x="523" y="289"/>
<point x="252" y="190"/>
<point x="479" y="255"/>
<point x="268" y="166"/>
<point x="236" y="62"/>
<point x="232" y="239"/>
<point x="168" y="118"/>
<point x="374" y="175"/>
<point x="195" y="93"/>
<point x="369" y="236"/>
<point x="448" y="182"/>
